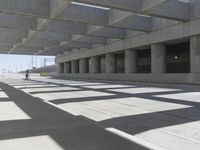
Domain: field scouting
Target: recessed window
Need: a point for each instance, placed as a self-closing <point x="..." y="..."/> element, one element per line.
<point x="120" y="63"/>
<point x="178" y="58"/>
<point x="144" y="61"/>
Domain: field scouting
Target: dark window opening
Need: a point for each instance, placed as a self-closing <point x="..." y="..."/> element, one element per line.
<point x="69" y="65"/>
<point x="120" y="63"/>
<point x="144" y="61"/>
<point x="102" y="64"/>
<point x="62" y="68"/>
<point x="178" y="58"/>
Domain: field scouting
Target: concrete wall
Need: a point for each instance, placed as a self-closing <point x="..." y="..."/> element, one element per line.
<point x="158" y="78"/>
<point x="174" y="23"/>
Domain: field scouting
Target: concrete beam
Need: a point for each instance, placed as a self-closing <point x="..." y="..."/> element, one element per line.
<point x="52" y="50"/>
<point x="129" y="20"/>
<point x="40" y="43"/>
<point x="148" y="4"/>
<point x="136" y="23"/>
<point x="5" y="46"/>
<point x="51" y="36"/>
<point x="131" y="5"/>
<point x="17" y="21"/>
<point x="178" y="31"/>
<point x="9" y="40"/>
<point x="25" y="48"/>
<point x="89" y="39"/>
<point x="13" y="33"/>
<point x="162" y="8"/>
<point x="75" y="45"/>
<point x="26" y="7"/>
<point x="66" y="27"/>
<point x="171" y="9"/>
<point x="84" y="14"/>
<point x="90" y="15"/>
<point x="108" y="32"/>
<point x="62" y="15"/>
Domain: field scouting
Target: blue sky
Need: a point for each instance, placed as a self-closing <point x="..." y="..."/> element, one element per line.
<point x="22" y="62"/>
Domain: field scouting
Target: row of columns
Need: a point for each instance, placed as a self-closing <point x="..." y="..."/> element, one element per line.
<point x="158" y="60"/>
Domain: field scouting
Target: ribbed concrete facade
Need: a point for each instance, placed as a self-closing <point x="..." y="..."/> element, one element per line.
<point x="160" y="44"/>
<point x="126" y="38"/>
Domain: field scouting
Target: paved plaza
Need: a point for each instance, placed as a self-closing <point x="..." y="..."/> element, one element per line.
<point x="48" y="113"/>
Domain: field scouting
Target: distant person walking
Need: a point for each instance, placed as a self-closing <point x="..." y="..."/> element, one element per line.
<point x="27" y="75"/>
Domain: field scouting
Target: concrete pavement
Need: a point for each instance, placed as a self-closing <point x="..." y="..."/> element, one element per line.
<point x="29" y="123"/>
<point x="69" y="114"/>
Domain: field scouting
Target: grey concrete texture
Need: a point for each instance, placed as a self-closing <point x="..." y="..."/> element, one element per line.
<point x="75" y="66"/>
<point x="168" y="26"/>
<point x="87" y="26"/>
<point x="95" y="65"/>
<point x="184" y="78"/>
<point x="130" y="61"/>
<point x="110" y="63"/>
<point x="158" y="58"/>
<point x="67" y="67"/>
<point x="83" y="66"/>
<point x="195" y="54"/>
<point x="66" y="130"/>
<point x="156" y="116"/>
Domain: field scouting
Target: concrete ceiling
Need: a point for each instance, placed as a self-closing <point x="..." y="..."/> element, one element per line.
<point x="51" y="27"/>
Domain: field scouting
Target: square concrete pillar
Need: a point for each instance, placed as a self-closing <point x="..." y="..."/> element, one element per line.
<point x="61" y="67"/>
<point x="130" y="61"/>
<point x="67" y="67"/>
<point x="75" y="66"/>
<point x="110" y="63"/>
<point x="195" y="54"/>
<point x="158" y="58"/>
<point x="95" y="64"/>
<point x="83" y="65"/>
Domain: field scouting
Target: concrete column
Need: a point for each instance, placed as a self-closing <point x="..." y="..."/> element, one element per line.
<point x="158" y="58"/>
<point x="110" y="63"/>
<point x="61" y="68"/>
<point x="195" y="54"/>
<point x="67" y="67"/>
<point x="83" y="65"/>
<point x="130" y="61"/>
<point x="75" y="66"/>
<point x="95" y="64"/>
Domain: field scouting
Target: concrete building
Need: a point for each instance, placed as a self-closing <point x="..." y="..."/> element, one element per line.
<point x="128" y="40"/>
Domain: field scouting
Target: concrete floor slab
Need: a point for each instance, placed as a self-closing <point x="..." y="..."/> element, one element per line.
<point x="53" y="89"/>
<point x="143" y="90"/>
<point x="34" y="86"/>
<point x="191" y="96"/>
<point x="68" y="95"/>
<point x="49" y="127"/>
<point x="107" y="86"/>
<point x="30" y="143"/>
<point x="159" y="117"/>
<point x="10" y="111"/>
<point x="3" y="94"/>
